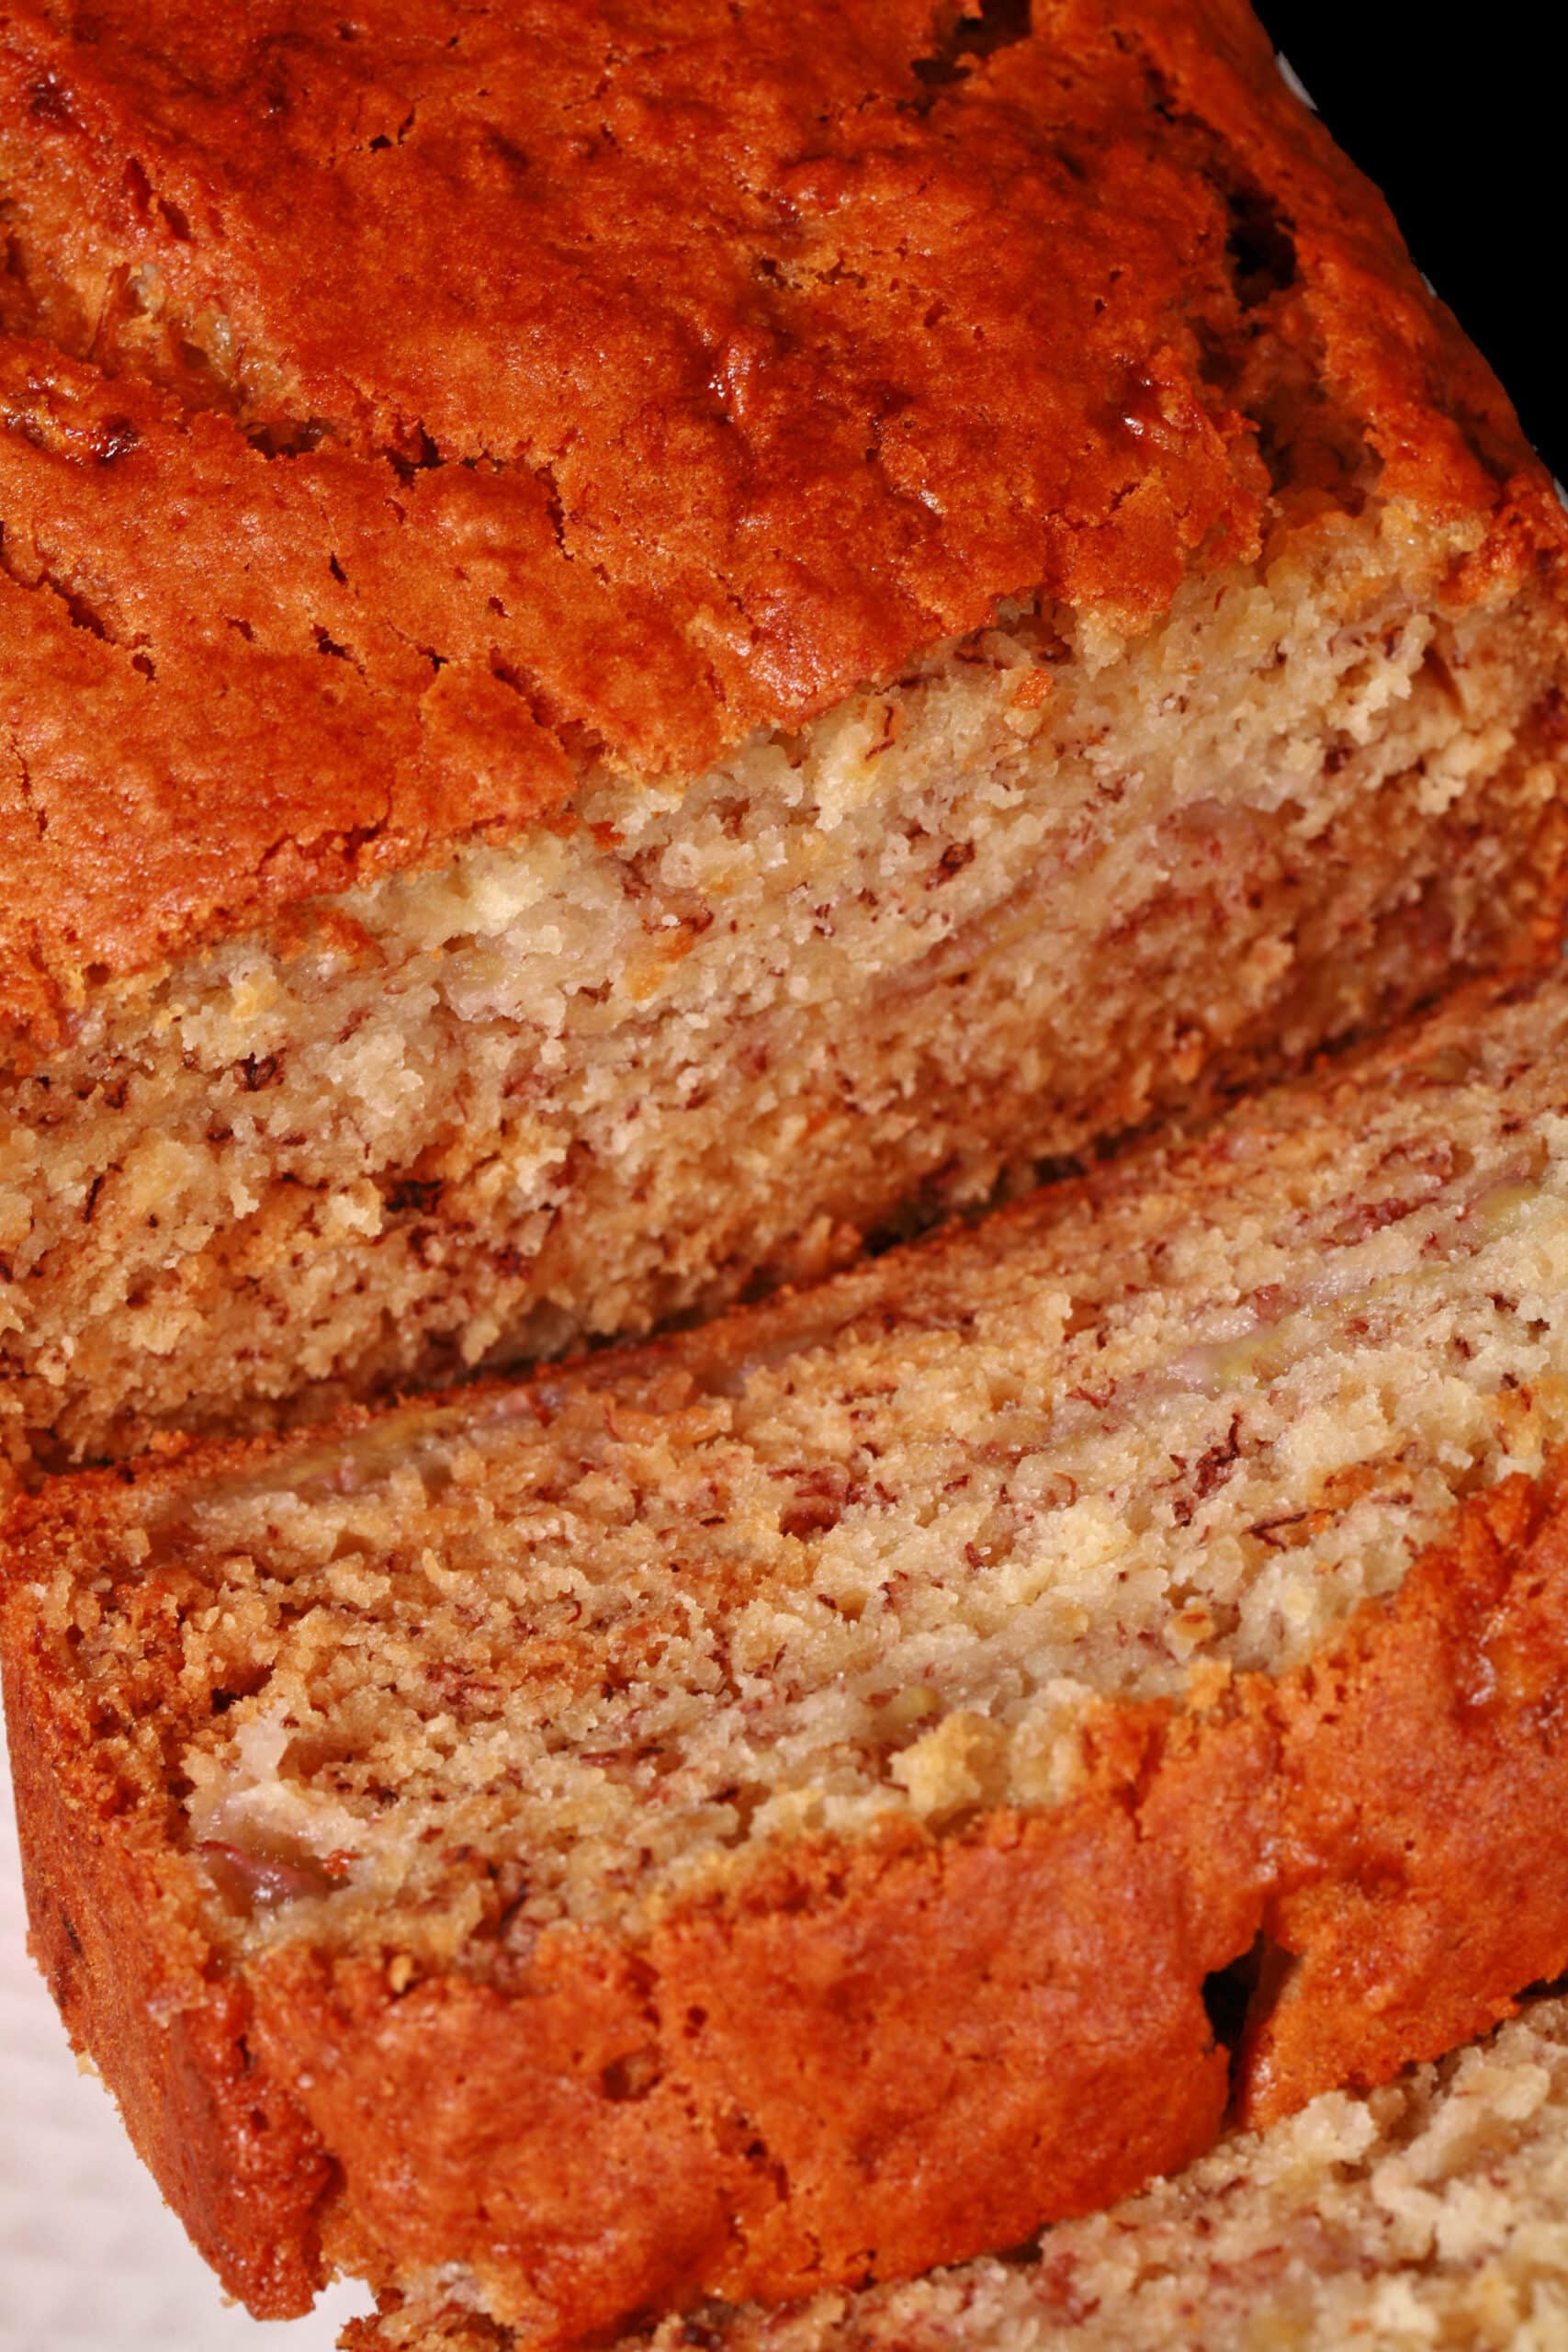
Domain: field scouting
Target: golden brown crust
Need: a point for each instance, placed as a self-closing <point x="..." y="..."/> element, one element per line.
<point x="859" y="2061"/>
<point x="1428" y="2211"/>
<point x="1421" y="1876"/>
<point x="645" y="381"/>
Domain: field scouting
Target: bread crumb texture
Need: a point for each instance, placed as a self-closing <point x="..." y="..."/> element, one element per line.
<point x="579" y="1083"/>
<point x="874" y="1548"/>
<point x="915" y="1716"/>
<point x="697" y="670"/>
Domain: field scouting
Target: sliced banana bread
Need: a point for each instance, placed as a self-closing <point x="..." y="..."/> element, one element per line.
<point x="788" y="1805"/>
<point x="633" y="644"/>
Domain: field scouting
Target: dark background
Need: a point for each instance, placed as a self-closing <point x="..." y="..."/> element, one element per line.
<point x="1460" y="115"/>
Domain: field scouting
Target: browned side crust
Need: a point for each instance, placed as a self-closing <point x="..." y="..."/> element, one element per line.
<point x="138" y="1993"/>
<point x="855" y="2062"/>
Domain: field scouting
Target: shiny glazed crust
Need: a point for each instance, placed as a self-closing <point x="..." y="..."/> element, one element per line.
<point x="853" y="2062"/>
<point x="617" y="409"/>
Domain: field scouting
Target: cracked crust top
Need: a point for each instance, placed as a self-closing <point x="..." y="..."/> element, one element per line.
<point x="402" y="406"/>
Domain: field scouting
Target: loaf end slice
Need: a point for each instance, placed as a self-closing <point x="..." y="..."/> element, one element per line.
<point x="823" y="1794"/>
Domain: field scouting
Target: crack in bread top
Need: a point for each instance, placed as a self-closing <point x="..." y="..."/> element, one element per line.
<point x="404" y="406"/>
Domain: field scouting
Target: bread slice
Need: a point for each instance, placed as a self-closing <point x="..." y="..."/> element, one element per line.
<point x="636" y="646"/>
<point x="1432" y="2212"/>
<point x="800" y="1801"/>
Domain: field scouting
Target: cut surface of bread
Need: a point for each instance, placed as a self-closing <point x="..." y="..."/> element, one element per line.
<point x="787" y="1805"/>
<point x="946" y="591"/>
<point x="1433" y="2211"/>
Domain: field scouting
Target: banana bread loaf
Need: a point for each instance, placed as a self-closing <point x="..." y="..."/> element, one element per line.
<point x="1431" y="2212"/>
<point x="633" y="645"/>
<point x="788" y="1805"/>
